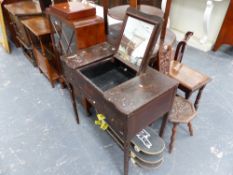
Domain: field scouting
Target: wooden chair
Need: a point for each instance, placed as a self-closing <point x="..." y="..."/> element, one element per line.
<point x="183" y="111"/>
<point x="181" y="47"/>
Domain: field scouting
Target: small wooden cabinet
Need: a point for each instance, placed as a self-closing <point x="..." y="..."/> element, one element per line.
<point x="75" y="26"/>
<point x="20" y="11"/>
<point x="10" y="29"/>
<point x="38" y="32"/>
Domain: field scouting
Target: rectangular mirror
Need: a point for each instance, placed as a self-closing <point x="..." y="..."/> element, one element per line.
<point x="135" y="40"/>
<point x="139" y="34"/>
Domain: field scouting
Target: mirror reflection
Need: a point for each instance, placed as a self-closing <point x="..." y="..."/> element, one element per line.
<point x="135" y="40"/>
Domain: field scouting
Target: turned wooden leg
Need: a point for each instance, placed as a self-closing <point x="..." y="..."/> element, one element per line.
<point x="126" y="157"/>
<point x="163" y="125"/>
<point x="196" y="104"/>
<point x="72" y="95"/>
<point x="188" y="95"/>
<point x="173" y="137"/>
<point x="190" y="128"/>
<point x="52" y="83"/>
<point x="62" y="82"/>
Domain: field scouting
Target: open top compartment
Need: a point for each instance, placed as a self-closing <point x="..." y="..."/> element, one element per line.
<point x="108" y="74"/>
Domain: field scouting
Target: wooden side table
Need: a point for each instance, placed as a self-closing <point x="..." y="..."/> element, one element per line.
<point x="38" y="32"/>
<point x="189" y="79"/>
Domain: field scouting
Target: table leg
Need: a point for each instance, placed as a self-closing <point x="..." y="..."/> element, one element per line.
<point x="72" y="95"/>
<point x="163" y="125"/>
<point x="86" y="105"/>
<point x="173" y="137"/>
<point x="126" y="157"/>
<point x="188" y="95"/>
<point x="196" y="104"/>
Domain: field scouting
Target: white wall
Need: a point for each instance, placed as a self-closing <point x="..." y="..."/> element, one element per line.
<point x="188" y="15"/>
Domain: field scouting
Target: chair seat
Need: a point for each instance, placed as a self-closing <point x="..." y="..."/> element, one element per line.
<point x="183" y="111"/>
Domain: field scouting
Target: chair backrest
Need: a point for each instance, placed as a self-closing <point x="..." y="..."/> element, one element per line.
<point x="164" y="59"/>
<point x="181" y="47"/>
<point x="165" y="54"/>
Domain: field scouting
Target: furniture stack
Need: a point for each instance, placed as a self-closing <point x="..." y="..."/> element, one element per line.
<point x="20" y="11"/>
<point x="70" y="45"/>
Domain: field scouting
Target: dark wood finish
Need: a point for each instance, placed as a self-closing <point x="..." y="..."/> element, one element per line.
<point x="173" y="137"/>
<point x="118" y="97"/>
<point x="166" y="54"/>
<point x="225" y="35"/>
<point x="39" y="28"/>
<point x="44" y="4"/>
<point x="85" y="32"/>
<point x="10" y="29"/>
<point x="119" y="12"/>
<point x="165" y="17"/>
<point x="190" y="80"/>
<point x="24" y="8"/>
<point x="181" y="47"/>
<point x="20" y="11"/>
<point x="72" y="95"/>
<point x="183" y="111"/>
<point x="73" y="10"/>
<point x="82" y="58"/>
<point x="156" y="3"/>
<point x="164" y="59"/>
<point x="124" y="97"/>
<point x="190" y="128"/>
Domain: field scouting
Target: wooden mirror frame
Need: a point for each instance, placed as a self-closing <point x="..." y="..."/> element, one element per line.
<point x="151" y="19"/>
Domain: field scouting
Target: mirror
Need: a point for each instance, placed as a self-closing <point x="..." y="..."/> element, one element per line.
<point x="3" y="35"/>
<point x="134" y="41"/>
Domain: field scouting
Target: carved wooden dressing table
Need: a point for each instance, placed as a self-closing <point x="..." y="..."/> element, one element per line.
<point x="123" y="87"/>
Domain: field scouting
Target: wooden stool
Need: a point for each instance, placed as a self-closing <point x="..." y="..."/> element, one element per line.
<point x="183" y="111"/>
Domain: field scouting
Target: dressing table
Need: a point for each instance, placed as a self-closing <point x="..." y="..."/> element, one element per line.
<point x="122" y="86"/>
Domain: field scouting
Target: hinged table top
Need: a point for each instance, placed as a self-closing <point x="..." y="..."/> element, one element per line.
<point x="38" y="26"/>
<point x="139" y="91"/>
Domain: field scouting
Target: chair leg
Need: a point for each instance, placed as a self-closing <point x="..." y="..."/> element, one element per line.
<point x="190" y="129"/>
<point x="173" y="137"/>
